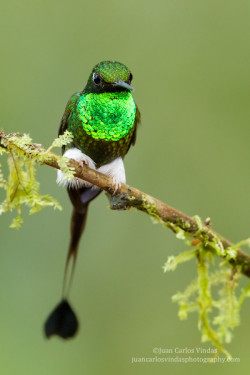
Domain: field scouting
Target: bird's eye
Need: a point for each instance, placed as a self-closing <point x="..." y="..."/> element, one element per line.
<point x="130" y="77"/>
<point x="96" y="78"/>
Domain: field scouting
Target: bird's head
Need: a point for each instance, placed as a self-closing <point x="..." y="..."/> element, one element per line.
<point x="109" y="76"/>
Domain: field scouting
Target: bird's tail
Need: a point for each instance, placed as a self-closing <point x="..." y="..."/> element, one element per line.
<point x="63" y="321"/>
<point x="78" y="221"/>
<point x="80" y="199"/>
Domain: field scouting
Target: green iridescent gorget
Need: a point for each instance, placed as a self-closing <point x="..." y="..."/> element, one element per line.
<point x="102" y="124"/>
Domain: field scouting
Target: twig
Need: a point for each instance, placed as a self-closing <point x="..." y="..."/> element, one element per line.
<point x="127" y="196"/>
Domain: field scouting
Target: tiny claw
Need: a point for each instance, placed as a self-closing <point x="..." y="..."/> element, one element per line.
<point x="82" y="163"/>
<point x="62" y="321"/>
<point x="85" y="162"/>
<point x="116" y="184"/>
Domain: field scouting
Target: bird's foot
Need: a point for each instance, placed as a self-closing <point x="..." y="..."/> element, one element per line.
<point x="81" y="158"/>
<point x="116" y="170"/>
<point x="116" y="183"/>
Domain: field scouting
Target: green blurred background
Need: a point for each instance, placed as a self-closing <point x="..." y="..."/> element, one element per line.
<point x="190" y="61"/>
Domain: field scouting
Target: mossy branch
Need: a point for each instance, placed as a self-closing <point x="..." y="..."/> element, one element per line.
<point x="127" y="196"/>
<point x="22" y="188"/>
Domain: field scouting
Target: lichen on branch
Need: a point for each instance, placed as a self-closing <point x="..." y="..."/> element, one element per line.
<point x="217" y="316"/>
<point x="22" y="187"/>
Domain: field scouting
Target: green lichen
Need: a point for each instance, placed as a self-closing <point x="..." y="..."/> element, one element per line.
<point x="174" y="261"/>
<point x="187" y="224"/>
<point x="3" y="182"/>
<point x="21" y="186"/>
<point x="214" y="294"/>
<point x="149" y="207"/>
<point x="63" y="140"/>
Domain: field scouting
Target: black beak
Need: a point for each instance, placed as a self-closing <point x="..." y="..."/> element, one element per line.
<point x="121" y="83"/>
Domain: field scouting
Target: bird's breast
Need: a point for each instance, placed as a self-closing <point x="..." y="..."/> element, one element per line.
<point x="103" y="124"/>
<point x="107" y="116"/>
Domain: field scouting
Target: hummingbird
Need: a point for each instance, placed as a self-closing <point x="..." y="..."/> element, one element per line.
<point x="103" y="120"/>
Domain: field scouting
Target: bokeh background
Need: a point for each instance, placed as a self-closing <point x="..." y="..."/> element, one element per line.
<point x="190" y="61"/>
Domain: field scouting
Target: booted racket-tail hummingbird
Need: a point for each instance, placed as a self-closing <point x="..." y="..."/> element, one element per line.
<point x="103" y="120"/>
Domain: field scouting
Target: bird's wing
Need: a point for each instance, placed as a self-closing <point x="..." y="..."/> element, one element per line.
<point x="69" y="108"/>
<point x="136" y="123"/>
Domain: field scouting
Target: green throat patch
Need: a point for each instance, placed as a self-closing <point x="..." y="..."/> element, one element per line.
<point x="107" y="116"/>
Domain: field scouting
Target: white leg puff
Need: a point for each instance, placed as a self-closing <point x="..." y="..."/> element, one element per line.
<point x="75" y="183"/>
<point x="116" y="170"/>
